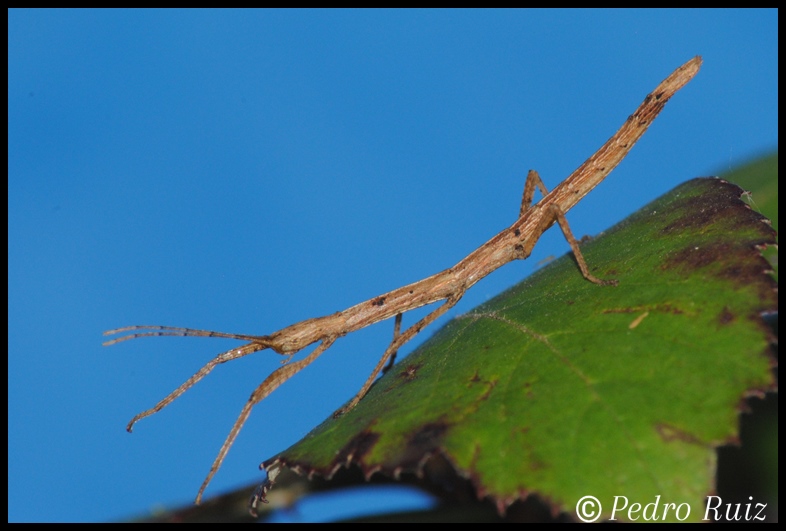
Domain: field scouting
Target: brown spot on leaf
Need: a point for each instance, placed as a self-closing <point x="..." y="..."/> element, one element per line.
<point x="711" y="201"/>
<point x="536" y="465"/>
<point x="670" y="433"/>
<point x="488" y="384"/>
<point x="429" y="435"/>
<point x="726" y="316"/>
<point x="528" y="392"/>
<point x="670" y="309"/>
<point x="697" y="256"/>
<point x="660" y="308"/>
<point x="740" y="265"/>
<point x="427" y="440"/>
<point x="410" y="372"/>
<point x="356" y="448"/>
<point x="620" y="310"/>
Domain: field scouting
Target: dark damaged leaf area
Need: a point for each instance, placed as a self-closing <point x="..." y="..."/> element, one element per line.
<point x="560" y="388"/>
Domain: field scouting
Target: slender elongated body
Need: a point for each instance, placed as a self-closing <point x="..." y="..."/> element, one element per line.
<point x="515" y="242"/>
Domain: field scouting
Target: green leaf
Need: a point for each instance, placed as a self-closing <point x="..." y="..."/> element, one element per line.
<point x="760" y="178"/>
<point x="562" y="388"/>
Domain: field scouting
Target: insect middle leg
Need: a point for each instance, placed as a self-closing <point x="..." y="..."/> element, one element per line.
<point x="396" y="333"/>
<point x="574" y="246"/>
<point x="556" y="214"/>
<point x="533" y="180"/>
<point x="397" y="343"/>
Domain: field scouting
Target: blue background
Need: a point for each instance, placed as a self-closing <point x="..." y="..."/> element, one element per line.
<point x="244" y="170"/>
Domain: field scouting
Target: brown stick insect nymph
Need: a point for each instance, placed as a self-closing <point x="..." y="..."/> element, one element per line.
<point x="514" y="243"/>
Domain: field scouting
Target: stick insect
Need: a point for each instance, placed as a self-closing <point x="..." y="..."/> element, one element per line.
<point x="514" y="243"/>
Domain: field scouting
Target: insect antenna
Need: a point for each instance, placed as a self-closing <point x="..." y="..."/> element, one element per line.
<point x="159" y="331"/>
